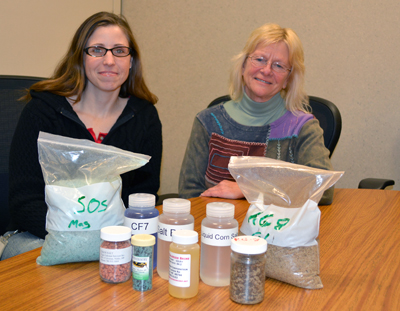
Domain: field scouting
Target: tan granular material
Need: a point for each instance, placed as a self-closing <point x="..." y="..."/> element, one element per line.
<point x="115" y="273"/>
<point x="298" y="266"/>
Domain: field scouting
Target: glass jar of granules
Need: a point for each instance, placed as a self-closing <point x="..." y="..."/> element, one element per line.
<point x="115" y="254"/>
<point x="247" y="278"/>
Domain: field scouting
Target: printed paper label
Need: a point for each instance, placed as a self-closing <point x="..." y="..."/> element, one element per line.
<point x="179" y="269"/>
<point x="115" y="256"/>
<point x="140" y="268"/>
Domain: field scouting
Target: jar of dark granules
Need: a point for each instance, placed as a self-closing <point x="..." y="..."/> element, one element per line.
<point x="248" y="259"/>
<point x="142" y="261"/>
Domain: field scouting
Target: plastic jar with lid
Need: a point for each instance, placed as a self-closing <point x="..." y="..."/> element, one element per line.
<point x="175" y="216"/>
<point x="217" y="230"/>
<point x="184" y="260"/>
<point x="142" y="217"/>
<point x="248" y="260"/>
<point x="115" y="254"/>
<point x="142" y="261"/>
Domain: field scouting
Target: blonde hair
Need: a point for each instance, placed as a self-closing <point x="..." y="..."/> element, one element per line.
<point x="294" y="93"/>
<point x="69" y="78"/>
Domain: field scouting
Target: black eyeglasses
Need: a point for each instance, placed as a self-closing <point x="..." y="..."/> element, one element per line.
<point x="99" y="51"/>
<point x="260" y="61"/>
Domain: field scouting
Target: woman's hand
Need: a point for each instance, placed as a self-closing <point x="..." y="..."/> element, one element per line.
<point x="225" y="189"/>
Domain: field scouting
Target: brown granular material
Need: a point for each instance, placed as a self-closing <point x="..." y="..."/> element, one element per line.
<point x="298" y="266"/>
<point x="115" y="273"/>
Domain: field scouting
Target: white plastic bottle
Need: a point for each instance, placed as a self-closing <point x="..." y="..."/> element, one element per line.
<point x="175" y="216"/>
<point x="217" y="230"/>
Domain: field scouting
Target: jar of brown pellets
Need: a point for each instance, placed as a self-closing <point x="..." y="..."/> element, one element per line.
<point x="247" y="278"/>
<point x="115" y="254"/>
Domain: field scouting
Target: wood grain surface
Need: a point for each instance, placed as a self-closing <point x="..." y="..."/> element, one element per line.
<point x="359" y="261"/>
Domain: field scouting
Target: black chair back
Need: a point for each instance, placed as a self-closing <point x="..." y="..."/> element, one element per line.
<point x="219" y="100"/>
<point x="11" y="89"/>
<point x="326" y="113"/>
<point x="329" y="119"/>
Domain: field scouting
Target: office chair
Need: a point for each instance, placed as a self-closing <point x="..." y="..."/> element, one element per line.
<point x="330" y="121"/>
<point x="11" y="89"/>
<point x="375" y="183"/>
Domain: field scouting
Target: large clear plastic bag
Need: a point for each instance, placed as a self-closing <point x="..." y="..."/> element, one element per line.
<point x="82" y="193"/>
<point x="284" y="210"/>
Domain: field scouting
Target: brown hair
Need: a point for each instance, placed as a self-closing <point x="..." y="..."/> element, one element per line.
<point x="69" y="78"/>
<point x="294" y="93"/>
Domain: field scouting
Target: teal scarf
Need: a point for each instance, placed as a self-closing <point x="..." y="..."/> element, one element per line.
<point x="251" y="113"/>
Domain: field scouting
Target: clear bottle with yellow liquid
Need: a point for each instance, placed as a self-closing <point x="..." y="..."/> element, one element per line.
<point x="184" y="264"/>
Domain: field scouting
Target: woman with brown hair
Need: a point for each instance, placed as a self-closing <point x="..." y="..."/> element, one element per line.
<point x="97" y="93"/>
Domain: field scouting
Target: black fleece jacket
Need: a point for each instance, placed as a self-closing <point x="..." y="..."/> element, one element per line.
<point x="138" y="129"/>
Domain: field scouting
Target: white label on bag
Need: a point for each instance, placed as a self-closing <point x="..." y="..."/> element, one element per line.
<point x="86" y="208"/>
<point x="115" y="256"/>
<point x="142" y="225"/>
<point x="218" y="237"/>
<point x="285" y="227"/>
<point x="165" y="231"/>
<point x="179" y="269"/>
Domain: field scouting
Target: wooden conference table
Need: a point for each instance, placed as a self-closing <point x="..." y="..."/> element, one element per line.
<point x="359" y="260"/>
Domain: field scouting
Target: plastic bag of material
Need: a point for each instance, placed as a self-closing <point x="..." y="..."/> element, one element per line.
<point x="284" y="210"/>
<point x="82" y="193"/>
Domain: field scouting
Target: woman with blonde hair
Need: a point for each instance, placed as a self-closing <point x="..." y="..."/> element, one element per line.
<point x="96" y="93"/>
<point x="268" y="115"/>
<point x="294" y="93"/>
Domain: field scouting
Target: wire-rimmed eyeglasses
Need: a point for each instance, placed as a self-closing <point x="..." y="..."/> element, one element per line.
<point x="99" y="51"/>
<point x="260" y="61"/>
